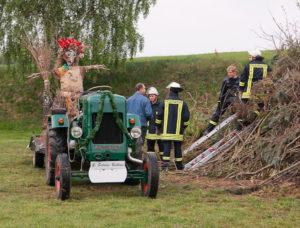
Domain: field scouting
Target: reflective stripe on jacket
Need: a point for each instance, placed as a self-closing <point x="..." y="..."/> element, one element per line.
<point x="151" y="132"/>
<point x="254" y="71"/>
<point x="172" y="118"/>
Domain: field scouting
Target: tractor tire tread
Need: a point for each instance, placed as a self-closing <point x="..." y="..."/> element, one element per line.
<point x="63" y="192"/>
<point x="57" y="144"/>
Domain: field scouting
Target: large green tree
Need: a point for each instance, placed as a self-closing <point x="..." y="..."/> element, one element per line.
<point x="108" y="27"/>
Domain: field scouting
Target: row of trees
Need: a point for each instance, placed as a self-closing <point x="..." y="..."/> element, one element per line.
<point x="108" y="27"/>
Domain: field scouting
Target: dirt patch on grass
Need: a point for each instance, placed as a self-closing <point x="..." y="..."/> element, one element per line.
<point x="184" y="177"/>
<point x="235" y="187"/>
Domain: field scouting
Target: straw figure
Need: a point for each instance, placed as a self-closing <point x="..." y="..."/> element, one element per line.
<point x="70" y="74"/>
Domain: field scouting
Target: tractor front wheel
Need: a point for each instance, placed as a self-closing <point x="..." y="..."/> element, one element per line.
<point x="133" y="166"/>
<point x="149" y="183"/>
<point x="62" y="176"/>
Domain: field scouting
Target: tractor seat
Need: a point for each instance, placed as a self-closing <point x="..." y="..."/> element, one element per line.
<point x="59" y="111"/>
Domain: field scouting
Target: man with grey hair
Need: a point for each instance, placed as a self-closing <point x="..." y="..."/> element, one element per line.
<point x="140" y="105"/>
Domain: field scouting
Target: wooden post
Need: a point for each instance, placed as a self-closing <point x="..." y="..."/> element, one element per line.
<point x="46" y="101"/>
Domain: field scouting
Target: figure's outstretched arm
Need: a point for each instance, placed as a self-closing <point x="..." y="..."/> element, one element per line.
<point x="94" y="67"/>
<point x="34" y="75"/>
<point x="54" y="72"/>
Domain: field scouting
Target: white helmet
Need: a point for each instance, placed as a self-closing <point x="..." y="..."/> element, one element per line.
<point x="152" y="90"/>
<point x="175" y="86"/>
<point x="255" y="53"/>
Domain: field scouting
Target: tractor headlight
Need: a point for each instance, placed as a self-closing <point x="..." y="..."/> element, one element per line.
<point x="136" y="132"/>
<point x="76" y="132"/>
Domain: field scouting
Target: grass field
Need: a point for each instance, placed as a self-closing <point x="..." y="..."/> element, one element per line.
<point x="26" y="201"/>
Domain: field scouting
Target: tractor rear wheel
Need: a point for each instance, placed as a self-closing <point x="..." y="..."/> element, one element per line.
<point x="56" y="143"/>
<point x="38" y="160"/>
<point x="62" y="176"/>
<point x="38" y="151"/>
<point x="150" y="183"/>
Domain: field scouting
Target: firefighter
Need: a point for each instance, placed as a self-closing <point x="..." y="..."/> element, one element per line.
<point x="228" y="92"/>
<point x="151" y="135"/>
<point x="254" y="71"/>
<point x="171" y="120"/>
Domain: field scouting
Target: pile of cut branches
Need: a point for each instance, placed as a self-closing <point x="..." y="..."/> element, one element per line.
<point x="271" y="151"/>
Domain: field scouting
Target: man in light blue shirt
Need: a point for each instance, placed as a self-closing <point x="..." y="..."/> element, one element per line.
<point x="140" y="105"/>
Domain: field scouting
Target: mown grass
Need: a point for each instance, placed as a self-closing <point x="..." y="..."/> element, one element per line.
<point x="26" y="201"/>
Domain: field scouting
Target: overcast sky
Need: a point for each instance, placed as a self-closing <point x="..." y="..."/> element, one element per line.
<point x="183" y="27"/>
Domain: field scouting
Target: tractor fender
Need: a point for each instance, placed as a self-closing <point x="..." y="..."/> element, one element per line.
<point x="58" y="121"/>
<point x="136" y="120"/>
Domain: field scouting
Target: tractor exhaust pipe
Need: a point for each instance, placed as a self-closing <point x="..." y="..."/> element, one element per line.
<point x="130" y="158"/>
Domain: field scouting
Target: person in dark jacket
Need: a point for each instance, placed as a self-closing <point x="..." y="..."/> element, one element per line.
<point x="253" y="71"/>
<point x="151" y="135"/>
<point x="172" y="118"/>
<point x="228" y="92"/>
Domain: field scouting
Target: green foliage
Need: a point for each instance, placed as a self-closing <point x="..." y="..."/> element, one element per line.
<point x="200" y="75"/>
<point x="196" y="73"/>
<point x="107" y="27"/>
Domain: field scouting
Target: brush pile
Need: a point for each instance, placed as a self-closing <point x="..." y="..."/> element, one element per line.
<point x="271" y="151"/>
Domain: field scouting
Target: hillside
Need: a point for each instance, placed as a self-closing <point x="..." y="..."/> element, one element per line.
<point x="200" y="75"/>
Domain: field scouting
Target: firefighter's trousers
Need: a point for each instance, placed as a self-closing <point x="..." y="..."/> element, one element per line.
<point x="242" y="122"/>
<point x="167" y="152"/>
<point x="151" y="146"/>
<point x="218" y="113"/>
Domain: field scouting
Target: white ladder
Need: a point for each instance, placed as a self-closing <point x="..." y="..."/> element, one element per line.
<point x="205" y="137"/>
<point x="217" y="148"/>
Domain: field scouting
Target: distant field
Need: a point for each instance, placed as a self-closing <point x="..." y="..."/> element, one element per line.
<point x="237" y="56"/>
<point x="26" y="201"/>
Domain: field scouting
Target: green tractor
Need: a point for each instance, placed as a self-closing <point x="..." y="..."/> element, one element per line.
<point x="103" y="142"/>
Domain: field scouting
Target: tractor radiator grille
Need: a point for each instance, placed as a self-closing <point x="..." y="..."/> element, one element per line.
<point x="109" y="132"/>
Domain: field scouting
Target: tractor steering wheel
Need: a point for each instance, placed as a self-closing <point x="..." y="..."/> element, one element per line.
<point x="100" y="87"/>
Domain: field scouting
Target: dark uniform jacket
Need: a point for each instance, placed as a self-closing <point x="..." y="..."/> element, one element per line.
<point x="254" y="71"/>
<point x="151" y="133"/>
<point x="229" y="89"/>
<point x="172" y="118"/>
